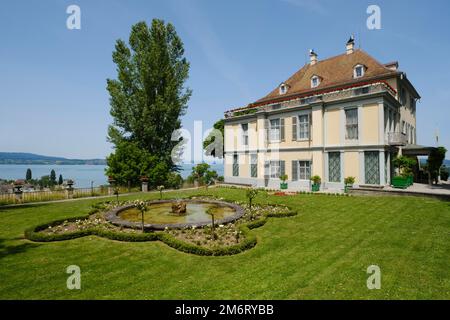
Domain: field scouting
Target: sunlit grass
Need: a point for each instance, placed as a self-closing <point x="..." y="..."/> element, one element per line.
<point x="323" y="252"/>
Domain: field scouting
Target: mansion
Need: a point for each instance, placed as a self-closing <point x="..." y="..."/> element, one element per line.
<point x="345" y="116"/>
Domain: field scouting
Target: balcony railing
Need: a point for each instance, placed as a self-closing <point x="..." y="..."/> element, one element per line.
<point x="397" y="139"/>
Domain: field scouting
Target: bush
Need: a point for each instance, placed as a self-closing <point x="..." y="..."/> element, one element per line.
<point x="316" y="179"/>
<point x="174" y="180"/>
<point x="444" y="173"/>
<point x="349" y="181"/>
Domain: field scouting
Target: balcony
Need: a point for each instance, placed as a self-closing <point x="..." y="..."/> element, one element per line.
<point x="397" y="139"/>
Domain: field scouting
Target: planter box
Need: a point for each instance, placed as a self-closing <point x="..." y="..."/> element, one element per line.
<point x="400" y="182"/>
<point x="283" y="186"/>
<point x="347" y="186"/>
<point x="315" y="187"/>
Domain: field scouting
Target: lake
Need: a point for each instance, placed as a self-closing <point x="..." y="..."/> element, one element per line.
<point x="81" y="174"/>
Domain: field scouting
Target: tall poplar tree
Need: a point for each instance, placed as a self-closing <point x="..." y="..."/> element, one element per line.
<point x="149" y="95"/>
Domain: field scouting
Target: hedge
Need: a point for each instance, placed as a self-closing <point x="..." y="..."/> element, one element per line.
<point x="249" y="241"/>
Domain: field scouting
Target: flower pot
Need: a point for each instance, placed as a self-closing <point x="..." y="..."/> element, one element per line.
<point x="315" y="187"/>
<point x="400" y="182"/>
<point x="347" y="186"/>
<point x="283" y="185"/>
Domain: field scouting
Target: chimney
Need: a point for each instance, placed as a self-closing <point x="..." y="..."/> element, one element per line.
<point x="312" y="57"/>
<point x="350" y="45"/>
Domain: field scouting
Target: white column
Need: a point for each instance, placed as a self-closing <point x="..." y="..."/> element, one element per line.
<point x="382" y="172"/>
<point x="381" y="122"/>
<point x="362" y="174"/>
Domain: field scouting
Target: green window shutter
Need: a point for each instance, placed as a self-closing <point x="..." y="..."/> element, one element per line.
<point x="294" y="128"/>
<point x="282" y="168"/>
<point x="294" y="170"/>
<point x="267" y="128"/>
<point x="282" y="129"/>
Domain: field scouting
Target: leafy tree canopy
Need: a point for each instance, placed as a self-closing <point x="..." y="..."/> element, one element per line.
<point x="147" y="99"/>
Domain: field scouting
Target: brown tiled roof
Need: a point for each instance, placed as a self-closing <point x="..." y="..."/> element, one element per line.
<point x="335" y="71"/>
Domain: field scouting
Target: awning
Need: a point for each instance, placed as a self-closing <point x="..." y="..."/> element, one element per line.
<point x="416" y="150"/>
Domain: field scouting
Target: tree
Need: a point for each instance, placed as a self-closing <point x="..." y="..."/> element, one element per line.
<point x="45" y="181"/>
<point x="210" y="144"/>
<point x="174" y="180"/>
<point x="251" y="194"/>
<point x="60" y="180"/>
<point x="404" y="164"/>
<point x="28" y="175"/>
<point x="202" y="174"/>
<point x="129" y="163"/>
<point x="148" y="97"/>
<point x="434" y="162"/>
<point x="52" y="177"/>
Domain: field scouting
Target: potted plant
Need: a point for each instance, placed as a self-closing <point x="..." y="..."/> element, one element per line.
<point x="404" y="178"/>
<point x="349" y="181"/>
<point x="283" y="184"/>
<point x="316" y="183"/>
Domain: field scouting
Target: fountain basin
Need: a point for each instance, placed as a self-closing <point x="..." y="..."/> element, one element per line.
<point x="159" y="214"/>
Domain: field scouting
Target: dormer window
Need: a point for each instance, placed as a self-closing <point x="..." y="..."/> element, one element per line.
<point x="283" y="88"/>
<point x="358" y="71"/>
<point x="315" y="81"/>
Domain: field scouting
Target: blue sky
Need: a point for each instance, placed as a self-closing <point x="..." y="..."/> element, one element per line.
<point x="53" y="99"/>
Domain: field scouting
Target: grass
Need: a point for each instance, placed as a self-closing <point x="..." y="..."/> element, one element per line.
<point x="322" y="253"/>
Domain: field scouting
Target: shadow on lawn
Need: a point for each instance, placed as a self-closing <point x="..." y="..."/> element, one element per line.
<point x="21" y="206"/>
<point x="6" y="250"/>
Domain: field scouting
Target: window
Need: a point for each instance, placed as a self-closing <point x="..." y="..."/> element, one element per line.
<point x="315" y="81"/>
<point x="334" y="167"/>
<point x="254" y="165"/>
<point x="245" y="134"/>
<point x="235" y="165"/>
<point x="351" y="118"/>
<point x="363" y="90"/>
<point x="358" y="72"/>
<point x="403" y="127"/>
<point x="274" y="132"/>
<point x="303" y="126"/>
<point x="412" y="104"/>
<point x="402" y="97"/>
<point x="372" y="167"/>
<point x="304" y="170"/>
<point x="275" y="169"/>
<point x="283" y="88"/>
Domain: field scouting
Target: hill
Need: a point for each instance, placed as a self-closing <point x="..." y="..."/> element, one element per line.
<point x="31" y="158"/>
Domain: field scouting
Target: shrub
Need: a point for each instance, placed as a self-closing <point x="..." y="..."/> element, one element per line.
<point x="316" y="179"/>
<point x="444" y="173"/>
<point x="251" y="194"/>
<point x="349" y="181"/>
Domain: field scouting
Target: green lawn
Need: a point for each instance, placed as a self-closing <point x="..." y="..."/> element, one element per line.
<point x="322" y="253"/>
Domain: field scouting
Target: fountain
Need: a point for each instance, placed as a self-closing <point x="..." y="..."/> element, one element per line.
<point x="162" y="214"/>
